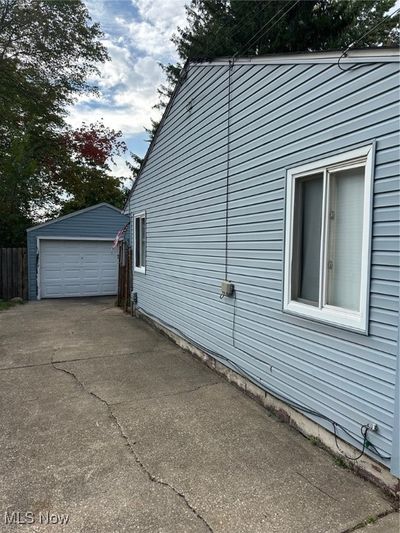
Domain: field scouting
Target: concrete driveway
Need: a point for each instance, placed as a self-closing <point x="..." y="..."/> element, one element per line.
<point x="105" y="420"/>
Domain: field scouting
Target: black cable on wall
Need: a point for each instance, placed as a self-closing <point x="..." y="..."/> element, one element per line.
<point x="228" y="155"/>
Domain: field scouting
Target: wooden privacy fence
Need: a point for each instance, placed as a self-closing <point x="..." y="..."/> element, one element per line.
<point x="13" y="273"/>
<point x="124" y="275"/>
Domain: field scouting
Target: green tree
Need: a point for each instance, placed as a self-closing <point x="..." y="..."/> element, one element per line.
<point x="93" y="187"/>
<point x="135" y="164"/>
<point x="236" y="27"/>
<point x="48" y="51"/>
<point x="218" y="28"/>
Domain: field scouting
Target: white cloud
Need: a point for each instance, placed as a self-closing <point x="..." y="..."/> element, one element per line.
<point x="129" y="120"/>
<point x="121" y="170"/>
<point x="117" y="70"/>
<point x="138" y="39"/>
<point x="158" y="20"/>
<point x="148" y="38"/>
<point x="165" y="15"/>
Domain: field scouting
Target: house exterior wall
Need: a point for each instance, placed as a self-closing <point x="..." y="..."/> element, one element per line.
<point x="281" y="116"/>
<point x="102" y="222"/>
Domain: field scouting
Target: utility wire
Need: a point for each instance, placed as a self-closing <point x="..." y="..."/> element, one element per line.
<point x="265" y="28"/>
<point x="228" y="148"/>
<point x="259" y="34"/>
<point x="259" y="31"/>
<point x="252" y="12"/>
<point x="344" y="54"/>
<point x="232" y="29"/>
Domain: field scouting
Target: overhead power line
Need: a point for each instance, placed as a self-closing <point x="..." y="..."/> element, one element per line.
<point x="262" y="31"/>
<point x="247" y="45"/>
<point x="344" y="54"/>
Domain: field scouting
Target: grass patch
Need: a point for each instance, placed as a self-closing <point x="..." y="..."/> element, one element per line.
<point x="315" y="441"/>
<point x="4" y="304"/>
<point x="7" y="304"/>
<point x="340" y="462"/>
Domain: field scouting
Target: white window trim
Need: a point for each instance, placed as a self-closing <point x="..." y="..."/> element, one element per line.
<point x="142" y="269"/>
<point x="347" y="319"/>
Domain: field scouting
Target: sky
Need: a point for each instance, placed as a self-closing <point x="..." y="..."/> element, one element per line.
<point x="137" y="36"/>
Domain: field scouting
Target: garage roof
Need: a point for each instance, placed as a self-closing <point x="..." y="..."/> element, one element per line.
<point x="75" y="213"/>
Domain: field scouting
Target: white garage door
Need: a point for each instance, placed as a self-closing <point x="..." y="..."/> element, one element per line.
<point x="77" y="268"/>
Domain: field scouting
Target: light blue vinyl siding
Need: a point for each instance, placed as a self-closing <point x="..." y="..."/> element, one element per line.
<point x="103" y="221"/>
<point x="282" y="116"/>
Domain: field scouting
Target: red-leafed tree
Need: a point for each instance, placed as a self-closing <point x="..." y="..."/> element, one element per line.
<point x="85" y="175"/>
<point x="95" y="144"/>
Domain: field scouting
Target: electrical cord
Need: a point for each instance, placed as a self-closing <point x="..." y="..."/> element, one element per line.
<point x="365" y="443"/>
<point x="364" y="431"/>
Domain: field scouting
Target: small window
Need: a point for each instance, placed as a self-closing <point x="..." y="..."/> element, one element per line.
<point x="328" y="239"/>
<point x="140" y="242"/>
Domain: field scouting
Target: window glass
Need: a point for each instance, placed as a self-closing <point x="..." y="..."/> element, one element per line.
<point x="143" y="242"/>
<point x="346" y="203"/>
<point x="307" y="239"/>
<point x="137" y="242"/>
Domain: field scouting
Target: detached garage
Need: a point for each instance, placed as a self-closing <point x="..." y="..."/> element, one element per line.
<point x="73" y="256"/>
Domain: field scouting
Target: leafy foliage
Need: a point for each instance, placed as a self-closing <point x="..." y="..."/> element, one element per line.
<point x="49" y="49"/>
<point x="95" y="144"/>
<point x="135" y="165"/>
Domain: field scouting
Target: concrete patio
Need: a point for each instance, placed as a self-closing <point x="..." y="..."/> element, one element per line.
<point x="105" y="420"/>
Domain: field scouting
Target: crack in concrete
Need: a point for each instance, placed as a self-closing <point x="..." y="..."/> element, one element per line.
<point x="365" y="523"/>
<point x="316" y="486"/>
<point x="22" y="366"/>
<point x="138" y="354"/>
<point x="130" y="445"/>
<point x="146" y="398"/>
